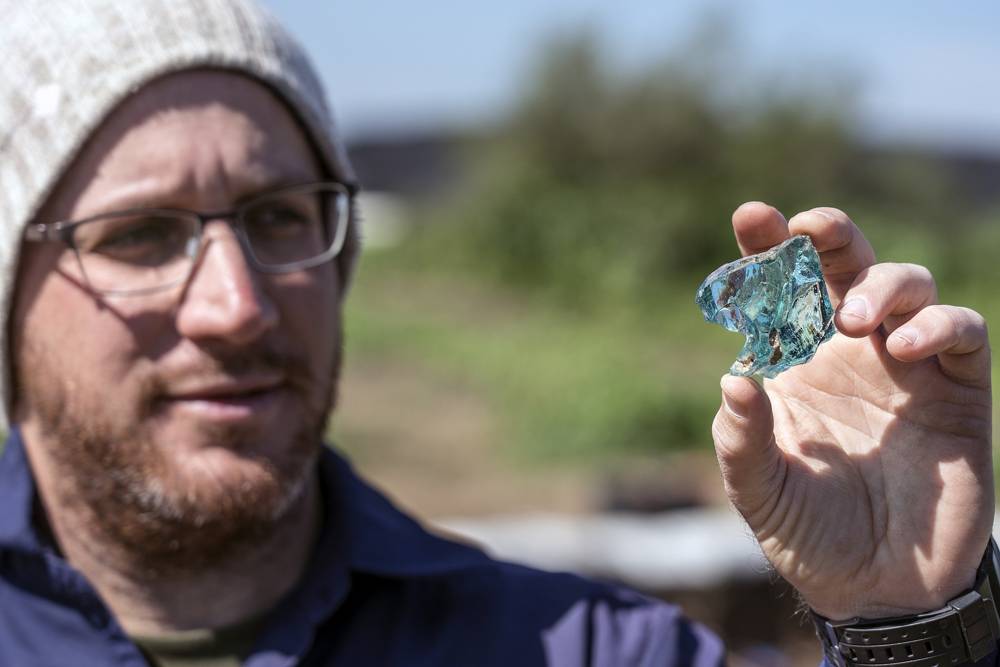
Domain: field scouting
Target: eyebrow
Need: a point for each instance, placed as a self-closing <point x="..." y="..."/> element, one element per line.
<point x="134" y="196"/>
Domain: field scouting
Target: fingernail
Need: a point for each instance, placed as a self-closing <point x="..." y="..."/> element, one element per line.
<point x="855" y="307"/>
<point x="908" y="335"/>
<point x="824" y="214"/>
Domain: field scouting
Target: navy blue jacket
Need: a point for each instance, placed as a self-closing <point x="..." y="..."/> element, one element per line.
<point x="380" y="591"/>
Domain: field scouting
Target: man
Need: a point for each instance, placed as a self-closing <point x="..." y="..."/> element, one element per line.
<point x="178" y="242"/>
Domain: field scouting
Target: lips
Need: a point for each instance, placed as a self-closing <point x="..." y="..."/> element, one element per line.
<point x="226" y="399"/>
<point x="225" y="389"/>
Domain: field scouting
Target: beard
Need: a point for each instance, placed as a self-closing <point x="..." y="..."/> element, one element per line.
<point x="134" y="492"/>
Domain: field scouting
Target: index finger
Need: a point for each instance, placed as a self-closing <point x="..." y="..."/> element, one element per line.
<point x="844" y="252"/>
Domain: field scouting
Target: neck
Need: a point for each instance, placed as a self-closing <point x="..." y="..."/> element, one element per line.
<point x="246" y="584"/>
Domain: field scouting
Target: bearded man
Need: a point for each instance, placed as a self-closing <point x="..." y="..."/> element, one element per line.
<point x="178" y="238"/>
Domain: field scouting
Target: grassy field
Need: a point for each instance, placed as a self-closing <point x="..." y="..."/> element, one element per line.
<point x="566" y="386"/>
<point x="557" y="389"/>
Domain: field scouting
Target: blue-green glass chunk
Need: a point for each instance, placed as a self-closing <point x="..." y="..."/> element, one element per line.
<point x="778" y="300"/>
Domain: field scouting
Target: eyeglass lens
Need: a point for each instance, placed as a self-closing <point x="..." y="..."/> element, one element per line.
<point x="138" y="251"/>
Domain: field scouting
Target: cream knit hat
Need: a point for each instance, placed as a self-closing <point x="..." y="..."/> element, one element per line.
<point x="65" y="64"/>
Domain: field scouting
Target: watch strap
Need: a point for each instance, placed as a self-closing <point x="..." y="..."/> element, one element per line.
<point x="960" y="633"/>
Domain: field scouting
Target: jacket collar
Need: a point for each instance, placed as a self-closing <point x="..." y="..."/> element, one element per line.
<point x="17" y="498"/>
<point x="384" y="541"/>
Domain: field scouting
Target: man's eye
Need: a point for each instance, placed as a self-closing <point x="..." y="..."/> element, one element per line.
<point x="140" y="241"/>
<point x="278" y="222"/>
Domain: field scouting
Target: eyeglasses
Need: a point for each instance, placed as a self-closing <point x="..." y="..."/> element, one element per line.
<point x="144" y="250"/>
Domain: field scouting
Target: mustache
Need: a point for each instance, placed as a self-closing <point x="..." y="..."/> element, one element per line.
<point x="228" y="365"/>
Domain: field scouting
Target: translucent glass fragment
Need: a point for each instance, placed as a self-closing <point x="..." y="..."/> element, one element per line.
<point x="778" y="300"/>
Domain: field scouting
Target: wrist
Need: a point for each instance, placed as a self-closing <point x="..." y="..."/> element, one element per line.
<point x="908" y="601"/>
<point x="877" y="612"/>
<point x="961" y="632"/>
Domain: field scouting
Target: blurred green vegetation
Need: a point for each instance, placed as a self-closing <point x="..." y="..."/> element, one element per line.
<point x="558" y="280"/>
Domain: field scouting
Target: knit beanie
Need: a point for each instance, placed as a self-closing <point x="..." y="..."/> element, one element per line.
<point x="66" y="64"/>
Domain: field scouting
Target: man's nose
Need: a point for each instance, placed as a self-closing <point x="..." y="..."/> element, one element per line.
<point x="223" y="299"/>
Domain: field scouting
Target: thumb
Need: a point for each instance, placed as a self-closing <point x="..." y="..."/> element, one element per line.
<point x="752" y="465"/>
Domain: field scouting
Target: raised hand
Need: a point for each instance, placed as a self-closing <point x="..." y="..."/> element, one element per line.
<point x="865" y="474"/>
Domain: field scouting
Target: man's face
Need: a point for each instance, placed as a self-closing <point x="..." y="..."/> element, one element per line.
<point x="194" y="413"/>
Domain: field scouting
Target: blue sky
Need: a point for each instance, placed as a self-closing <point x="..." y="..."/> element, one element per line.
<point x="928" y="71"/>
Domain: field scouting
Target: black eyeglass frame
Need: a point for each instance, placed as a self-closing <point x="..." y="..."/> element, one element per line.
<point x="63" y="231"/>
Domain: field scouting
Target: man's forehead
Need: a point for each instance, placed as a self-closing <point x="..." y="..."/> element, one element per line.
<point x="183" y="132"/>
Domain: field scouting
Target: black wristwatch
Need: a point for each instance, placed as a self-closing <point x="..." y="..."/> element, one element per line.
<point x="963" y="632"/>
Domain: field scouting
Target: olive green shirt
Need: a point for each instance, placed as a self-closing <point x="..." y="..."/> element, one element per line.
<point x="224" y="647"/>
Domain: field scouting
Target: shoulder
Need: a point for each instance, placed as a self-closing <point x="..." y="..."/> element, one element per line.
<point x="450" y="600"/>
<point x="561" y="618"/>
<point x="609" y="624"/>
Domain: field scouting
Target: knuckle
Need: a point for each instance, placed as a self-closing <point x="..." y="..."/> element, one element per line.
<point x="885" y="275"/>
<point x="919" y="273"/>
<point x="975" y="319"/>
<point x="955" y="316"/>
<point x="955" y="328"/>
<point x="834" y="213"/>
<point x="830" y="228"/>
<point x="913" y="282"/>
<point x="948" y="322"/>
<point x="887" y="269"/>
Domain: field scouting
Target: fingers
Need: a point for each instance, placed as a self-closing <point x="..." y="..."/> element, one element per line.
<point x="899" y="298"/>
<point x="884" y="295"/>
<point x="843" y="249"/>
<point x="752" y="464"/>
<point x="758" y="227"/>
<point x="958" y="336"/>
